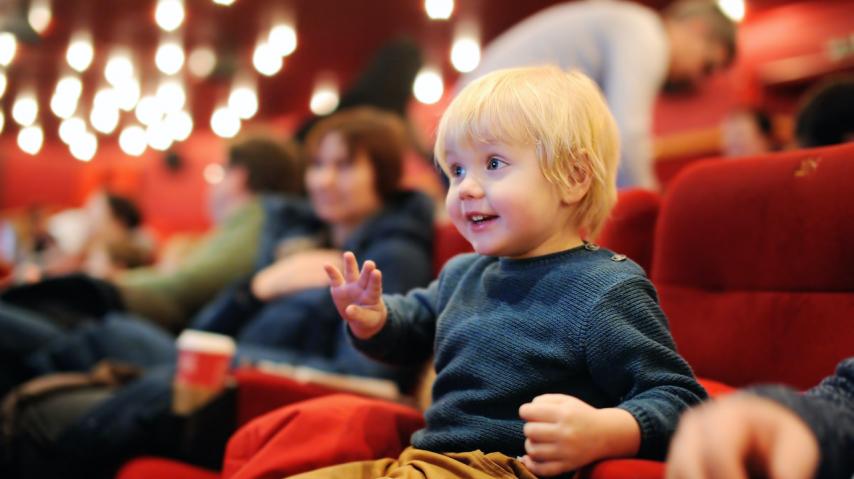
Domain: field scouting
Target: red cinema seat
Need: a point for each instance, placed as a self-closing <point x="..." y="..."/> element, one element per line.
<point x="753" y="264"/>
<point x="630" y="228"/>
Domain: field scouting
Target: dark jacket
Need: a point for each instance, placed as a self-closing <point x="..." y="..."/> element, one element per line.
<point x="304" y="328"/>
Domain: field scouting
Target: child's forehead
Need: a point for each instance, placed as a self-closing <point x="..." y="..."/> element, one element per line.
<point x="470" y="146"/>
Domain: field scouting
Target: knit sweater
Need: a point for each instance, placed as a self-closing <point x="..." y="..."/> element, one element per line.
<point x="828" y="410"/>
<point x="582" y="322"/>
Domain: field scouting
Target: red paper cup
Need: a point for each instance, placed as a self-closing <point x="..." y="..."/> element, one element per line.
<point x="203" y="366"/>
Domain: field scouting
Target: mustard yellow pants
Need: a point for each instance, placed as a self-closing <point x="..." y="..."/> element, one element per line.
<point x="419" y="464"/>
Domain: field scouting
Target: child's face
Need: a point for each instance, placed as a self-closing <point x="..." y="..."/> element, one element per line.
<point x="503" y="205"/>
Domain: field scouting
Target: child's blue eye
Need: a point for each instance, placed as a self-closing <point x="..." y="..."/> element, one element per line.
<point x="495" y="163"/>
<point x="457" y="171"/>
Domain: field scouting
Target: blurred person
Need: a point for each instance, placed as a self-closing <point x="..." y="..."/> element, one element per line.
<point x="283" y="313"/>
<point x="747" y="132"/>
<point x="101" y="238"/>
<point x="826" y="115"/>
<point x="770" y="431"/>
<point x="254" y="167"/>
<point x="631" y="51"/>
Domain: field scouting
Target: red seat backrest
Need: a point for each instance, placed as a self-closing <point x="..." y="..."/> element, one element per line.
<point x="630" y="228"/>
<point x="754" y="264"/>
<point x="448" y="242"/>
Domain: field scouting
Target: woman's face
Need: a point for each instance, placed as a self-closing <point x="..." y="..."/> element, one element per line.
<point x="341" y="183"/>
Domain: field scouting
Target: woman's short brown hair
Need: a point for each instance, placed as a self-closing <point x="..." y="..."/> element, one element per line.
<point x="380" y="135"/>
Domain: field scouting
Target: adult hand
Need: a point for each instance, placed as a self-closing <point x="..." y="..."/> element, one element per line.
<point x="742" y="435"/>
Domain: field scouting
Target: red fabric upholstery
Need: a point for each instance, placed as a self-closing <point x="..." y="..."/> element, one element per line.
<point x="312" y="434"/>
<point x="153" y="467"/>
<point x="624" y="469"/>
<point x="259" y="393"/>
<point x="448" y="242"/>
<point x="753" y="264"/>
<point x="630" y="229"/>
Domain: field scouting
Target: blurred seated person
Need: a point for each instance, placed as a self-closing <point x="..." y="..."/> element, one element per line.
<point x="283" y="313"/>
<point x="102" y="238"/>
<point x="748" y="132"/>
<point x="826" y="116"/>
<point x="255" y="166"/>
<point x="353" y="180"/>
<point x="770" y="431"/>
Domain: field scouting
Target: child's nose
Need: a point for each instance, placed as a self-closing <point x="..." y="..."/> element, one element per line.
<point x="470" y="188"/>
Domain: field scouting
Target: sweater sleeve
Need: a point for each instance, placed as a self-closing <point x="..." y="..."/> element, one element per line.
<point x="632" y="357"/>
<point x="407" y="337"/>
<point x="828" y="410"/>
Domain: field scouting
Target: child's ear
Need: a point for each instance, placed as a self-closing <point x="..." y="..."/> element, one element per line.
<point x="579" y="182"/>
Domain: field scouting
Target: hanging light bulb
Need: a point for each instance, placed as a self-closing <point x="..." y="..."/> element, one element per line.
<point x="202" y="61"/>
<point x="39" y="15"/>
<point x="31" y="139"/>
<point x="132" y="140"/>
<point x="158" y="136"/>
<point x="465" y="54"/>
<point x="8" y="47"/>
<point x="282" y="39"/>
<point x="80" y="52"/>
<point x="180" y="124"/>
<point x="324" y="99"/>
<point x="171" y="96"/>
<point x="266" y="60"/>
<point x="243" y="100"/>
<point x="428" y="86"/>
<point x="169" y="14"/>
<point x="169" y="57"/>
<point x="439" y="9"/>
<point x="71" y="128"/>
<point x="63" y="103"/>
<point x="148" y="110"/>
<point x="127" y="93"/>
<point x="734" y="9"/>
<point x="225" y="122"/>
<point x="2" y="83"/>
<point x="119" y="68"/>
<point x="25" y="109"/>
<point x="84" y="146"/>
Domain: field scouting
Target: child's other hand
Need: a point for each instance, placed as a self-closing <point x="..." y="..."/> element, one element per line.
<point x="358" y="296"/>
<point x="741" y="435"/>
<point x="564" y="433"/>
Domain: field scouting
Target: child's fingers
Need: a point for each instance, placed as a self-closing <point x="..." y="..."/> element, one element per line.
<point x="375" y="286"/>
<point x="540" y="412"/>
<point x="335" y="278"/>
<point x="365" y="276"/>
<point x="543" y="451"/>
<point x="549" y="468"/>
<point x="552" y="399"/>
<point x="351" y="268"/>
<point x="359" y="315"/>
<point x="542" y="431"/>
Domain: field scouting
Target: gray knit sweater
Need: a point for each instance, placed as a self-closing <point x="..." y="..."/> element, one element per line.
<point x="582" y="322"/>
<point x="828" y="409"/>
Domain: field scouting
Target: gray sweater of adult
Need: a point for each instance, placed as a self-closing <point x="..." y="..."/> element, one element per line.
<point x="581" y="322"/>
<point x="828" y="410"/>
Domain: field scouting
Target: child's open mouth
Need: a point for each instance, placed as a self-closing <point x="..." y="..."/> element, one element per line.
<point x="481" y="219"/>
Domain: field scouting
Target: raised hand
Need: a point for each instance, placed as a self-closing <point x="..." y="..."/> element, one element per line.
<point x="358" y="296"/>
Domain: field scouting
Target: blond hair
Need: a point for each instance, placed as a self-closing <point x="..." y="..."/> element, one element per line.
<point x="562" y="114"/>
